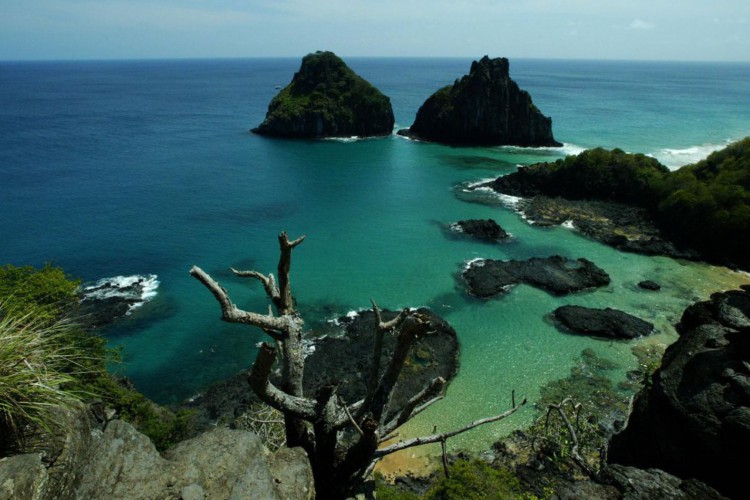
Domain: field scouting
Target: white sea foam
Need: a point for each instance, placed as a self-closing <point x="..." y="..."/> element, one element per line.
<point x="568" y="224"/>
<point x="676" y="158"/>
<point x="137" y="289"/>
<point x="567" y="149"/>
<point x="475" y="262"/>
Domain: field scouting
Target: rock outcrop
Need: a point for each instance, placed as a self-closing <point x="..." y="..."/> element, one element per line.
<point x="481" y="229"/>
<point x="484" y="108"/>
<point x="694" y="420"/>
<point x="557" y="275"/>
<point x="607" y="323"/>
<point x="327" y="99"/>
<point x="114" y="460"/>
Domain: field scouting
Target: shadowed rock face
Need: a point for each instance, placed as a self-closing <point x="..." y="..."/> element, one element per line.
<point x="694" y="421"/>
<point x="557" y="275"/>
<point x="607" y="323"/>
<point x="327" y="99"/>
<point x="484" y="108"/>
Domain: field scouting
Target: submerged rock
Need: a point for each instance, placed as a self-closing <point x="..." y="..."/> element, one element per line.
<point x="327" y="99"/>
<point x="649" y="285"/>
<point x="557" y="275"/>
<point x="694" y="420"/>
<point x="607" y="323"/>
<point x="484" y="108"/>
<point x="481" y="229"/>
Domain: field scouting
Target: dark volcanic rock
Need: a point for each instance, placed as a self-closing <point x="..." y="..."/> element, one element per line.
<point x="484" y="108"/>
<point x="343" y="360"/>
<point x="327" y="99"/>
<point x="638" y="484"/>
<point x="557" y="275"/>
<point x="694" y="421"/>
<point x="607" y="323"/>
<point x="649" y="285"/>
<point x="482" y="229"/>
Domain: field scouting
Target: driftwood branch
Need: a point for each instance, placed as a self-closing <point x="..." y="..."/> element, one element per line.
<point x="269" y="282"/>
<point x="436" y="438"/>
<point x="286" y="301"/>
<point x="377" y="404"/>
<point x="274" y="326"/>
<point x="574" y="450"/>
<point x="259" y="381"/>
<point x="428" y="393"/>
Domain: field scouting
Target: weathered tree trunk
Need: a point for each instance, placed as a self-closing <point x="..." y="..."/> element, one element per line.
<point x="341" y="439"/>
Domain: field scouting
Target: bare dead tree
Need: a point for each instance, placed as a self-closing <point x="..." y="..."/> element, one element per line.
<point x="341" y="439"/>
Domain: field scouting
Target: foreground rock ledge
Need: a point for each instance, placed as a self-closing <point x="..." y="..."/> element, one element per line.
<point x="694" y="421"/>
<point x="484" y="108"/>
<point x="557" y="275"/>
<point x="607" y="323"/>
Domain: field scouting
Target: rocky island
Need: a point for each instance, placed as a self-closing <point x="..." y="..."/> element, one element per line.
<point x="484" y="108"/>
<point x="327" y="99"/>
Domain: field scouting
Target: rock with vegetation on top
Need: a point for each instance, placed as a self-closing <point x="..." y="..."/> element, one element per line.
<point x="484" y="108"/>
<point x="327" y="99"/>
<point x="557" y="275"/>
<point x="608" y="323"/>
<point x="694" y="419"/>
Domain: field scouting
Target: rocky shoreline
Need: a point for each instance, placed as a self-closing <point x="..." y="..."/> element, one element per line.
<point x="624" y="227"/>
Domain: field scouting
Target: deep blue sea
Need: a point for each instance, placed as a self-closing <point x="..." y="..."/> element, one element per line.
<point x="120" y="168"/>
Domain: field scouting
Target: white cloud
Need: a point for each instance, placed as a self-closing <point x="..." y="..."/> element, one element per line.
<point x="639" y="24"/>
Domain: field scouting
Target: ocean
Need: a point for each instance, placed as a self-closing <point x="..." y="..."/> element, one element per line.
<point x="124" y="168"/>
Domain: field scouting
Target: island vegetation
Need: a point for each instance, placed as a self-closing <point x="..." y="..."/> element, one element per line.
<point x="327" y="99"/>
<point x="704" y="206"/>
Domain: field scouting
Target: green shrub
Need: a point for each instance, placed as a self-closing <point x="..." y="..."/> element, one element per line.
<point x="36" y="342"/>
<point x="476" y="480"/>
<point x="37" y="370"/>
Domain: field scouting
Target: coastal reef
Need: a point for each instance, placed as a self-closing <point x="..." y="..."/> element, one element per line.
<point x="327" y="99"/>
<point x="484" y="108"/>
<point x="556" y="274"/>
<point x="694" y="419"/>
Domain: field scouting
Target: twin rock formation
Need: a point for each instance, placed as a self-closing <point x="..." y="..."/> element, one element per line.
<point x="484" y="108"/>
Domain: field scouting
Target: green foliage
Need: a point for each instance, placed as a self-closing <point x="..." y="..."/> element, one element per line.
<point x="36" y="342"/>
<point x="47" y="292"/>
<point x="476" y="480"/>
<point x="706" y="206"/>
<point x="37" y="366"/>
<point x="327" y="87"/>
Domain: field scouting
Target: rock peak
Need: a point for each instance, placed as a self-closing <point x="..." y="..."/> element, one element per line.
<point x="484" y="108"/>
<point x="327" y="99"/>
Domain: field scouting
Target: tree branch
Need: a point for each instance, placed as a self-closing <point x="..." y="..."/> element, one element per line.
<point x="269" y="282"/>
<point x="430" y="391"/>
<point x="273" y="326"/>
<point x="286" y="301"/>
<point x="436" y="438"/>
<point x="258" y="379"/>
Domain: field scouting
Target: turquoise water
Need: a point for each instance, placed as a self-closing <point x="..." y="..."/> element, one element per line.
<point x="120" y="168"/>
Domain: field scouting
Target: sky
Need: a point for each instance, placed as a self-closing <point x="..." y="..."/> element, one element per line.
<point x="693" y="30"/>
